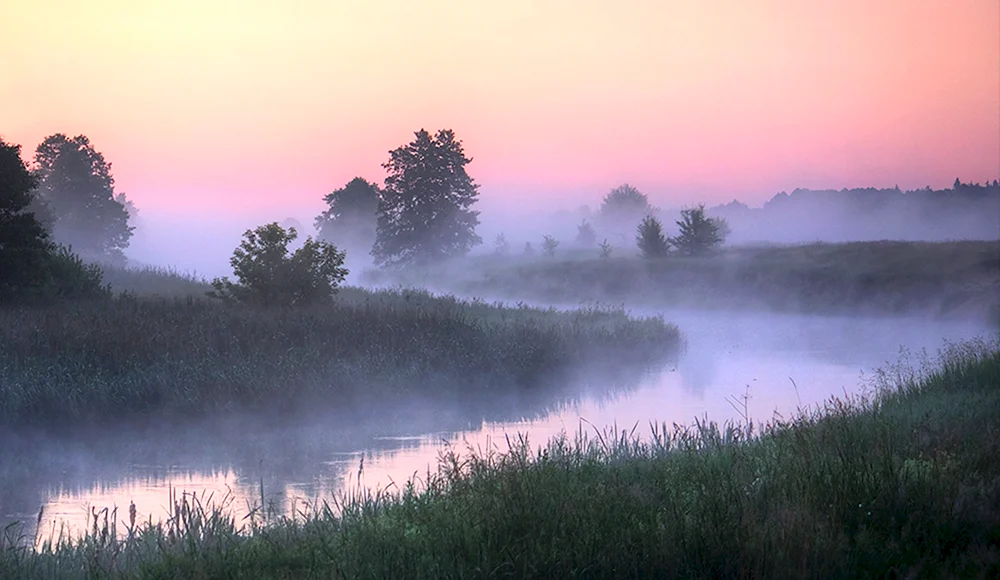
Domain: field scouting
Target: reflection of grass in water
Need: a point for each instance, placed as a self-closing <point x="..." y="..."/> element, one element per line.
<point x="137" y="357"/>
<point x="904" y="481"/>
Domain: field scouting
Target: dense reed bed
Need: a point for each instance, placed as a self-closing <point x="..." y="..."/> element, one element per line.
<point x="902" y="482"/>
<point x="925" y="278"/>
<point x="134" y="357"/>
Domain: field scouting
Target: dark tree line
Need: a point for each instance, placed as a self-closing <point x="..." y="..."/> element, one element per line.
<point x="33" y="267"/>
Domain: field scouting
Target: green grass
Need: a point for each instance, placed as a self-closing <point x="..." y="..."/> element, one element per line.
<point x="903" y="483"/>
<point x="135" y="357"/>
<point x="948" y="278"/>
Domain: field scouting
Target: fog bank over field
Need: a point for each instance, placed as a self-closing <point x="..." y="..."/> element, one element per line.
<point x="203" y="243"/>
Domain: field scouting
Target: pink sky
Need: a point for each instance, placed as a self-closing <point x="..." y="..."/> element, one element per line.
<point x="272" y="103"/>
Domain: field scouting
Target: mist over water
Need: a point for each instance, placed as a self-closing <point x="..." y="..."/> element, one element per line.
<point x="775" y="363"/>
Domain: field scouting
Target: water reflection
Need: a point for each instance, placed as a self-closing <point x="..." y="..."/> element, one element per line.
<point x="781" y="363"/>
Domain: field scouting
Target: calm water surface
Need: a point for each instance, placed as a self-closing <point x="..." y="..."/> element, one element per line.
<point x="781" y="362"/>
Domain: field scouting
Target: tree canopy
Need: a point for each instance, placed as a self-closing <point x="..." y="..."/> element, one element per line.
<point x="350" y="217"/>
<point x="424" y="214"/>
<point x="24" y="244"/>
<point x="75" y="182"/>
<point x="625" y="202"/>
<point x="269" y="275"/>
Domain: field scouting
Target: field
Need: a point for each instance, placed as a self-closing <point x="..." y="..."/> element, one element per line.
<point x="880" y="278"/>
<point x="141" y="357"/>
<point x="900" y="483"/>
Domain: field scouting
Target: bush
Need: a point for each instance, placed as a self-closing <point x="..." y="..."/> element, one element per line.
<point x="269" y="276"/>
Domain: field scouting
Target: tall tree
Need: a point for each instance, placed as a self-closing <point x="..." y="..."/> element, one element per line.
<point x="424" y="214"/>
<point x="24" y="244"/>
<point x="349" y="220"/>
<point x="76" y="183"/>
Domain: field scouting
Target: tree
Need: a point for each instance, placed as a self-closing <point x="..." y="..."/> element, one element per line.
<point x="76" y="183"/>
<point x="585" y="234"/>
<point x="24" y="243"/>
<point x="32" y="268"/>
<point x="652" y="243"/>
<point x="270" y="276"/>
<point x="549" y="245"/>
<point x="624" y="203"/>
<point x="349" y="220"/>
<point x="424" y="213"/>
<point x="699" y="235"/>
<point x="500" y="245"/>
<point x="528" y="249"/>
<point x="606" y="249"/>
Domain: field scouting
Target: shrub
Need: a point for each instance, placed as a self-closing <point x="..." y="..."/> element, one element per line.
<point x="269" y="276"/>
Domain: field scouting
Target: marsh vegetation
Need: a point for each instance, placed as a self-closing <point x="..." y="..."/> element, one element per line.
<point x="899" y="481"/>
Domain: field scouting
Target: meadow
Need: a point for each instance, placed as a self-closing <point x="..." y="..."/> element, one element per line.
<point x="873" y="278"/>
<point x="159" y="350"/>
<point x="899" y="482"/>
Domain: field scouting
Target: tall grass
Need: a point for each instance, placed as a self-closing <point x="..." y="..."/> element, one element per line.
<point x="134" y="357"/>
<point x="901" y="483"/>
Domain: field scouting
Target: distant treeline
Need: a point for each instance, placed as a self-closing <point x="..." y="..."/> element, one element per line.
<point x="967" y="211"/>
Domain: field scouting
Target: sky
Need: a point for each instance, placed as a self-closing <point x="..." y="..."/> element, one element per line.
<point x="267" y="105"/>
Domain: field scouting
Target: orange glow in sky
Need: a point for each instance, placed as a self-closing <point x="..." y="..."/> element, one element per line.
<point x="262" y="103"/>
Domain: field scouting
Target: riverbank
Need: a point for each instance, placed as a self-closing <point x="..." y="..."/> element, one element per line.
<point x="903" y="481"/>
<point x="143" y="357"/>
<point x="951" y="279"/>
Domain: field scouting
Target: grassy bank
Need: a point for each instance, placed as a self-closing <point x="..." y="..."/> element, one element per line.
<point x="135" y="357"/>
<point x="948" y="278"/>
<point x="901" y="484"/>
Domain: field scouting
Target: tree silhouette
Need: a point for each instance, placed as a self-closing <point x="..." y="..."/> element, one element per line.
<point x="585" y="234"/>
<point x="625" y="202"/>
<point x="549" y="245"/>
<point x="652" y="243"/>
<point x="424" y="214"/>
<point x="76" y="183"/>
<point x="269" y="276"/>
<point x="699" y="234"/>
<point x="24" y="244"/>
<point x="349" y="220"/>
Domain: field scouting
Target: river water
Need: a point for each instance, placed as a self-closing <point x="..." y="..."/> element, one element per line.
<point x="774" y="363"/>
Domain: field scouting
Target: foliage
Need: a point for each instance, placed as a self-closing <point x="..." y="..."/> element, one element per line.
<point x="549" y="245"/>
<point x="699" y="235"/>
<point x="269" y="276"/>
<point x="77" y="185"/>
<point x="624" y="202"/>
<point x="500" y="245"/>
<point x="32" y="268"/>
<point x="652" y="243"/>
<point x="902" y="484"/>
<point x="585" y="234"/>
<point x="24" y="244"/>
<point x="529" y="250"/>
<point x="606" y="249"/>
<point x="424" y="214"/>
<point x="349" y="220"/>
